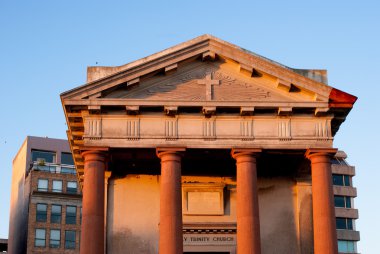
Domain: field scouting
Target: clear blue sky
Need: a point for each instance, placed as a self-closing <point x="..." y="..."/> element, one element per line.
<point x="45" y="47"/>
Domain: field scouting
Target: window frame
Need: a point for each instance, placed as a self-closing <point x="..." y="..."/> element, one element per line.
<point x="43" y="213"/>
<point x="55" y="246"/>
<point x="345" y="179"/>
<point x="70" y="190"/>
<point x="57" y="190"/>
<point x="40" y="239"/>
<point x="35" y="158"/>
<point x="42" y="189"/>
<point x="70" y="218"/>
<point x="71" y="155"/>
<point x="348" y="223"/>
<point x="346" y="246"/>
<point x="346" y="199"/>
<point x="73" y="242"/>
<point x="55" y="215"/>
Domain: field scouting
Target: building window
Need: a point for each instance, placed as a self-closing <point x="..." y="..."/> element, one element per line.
<point x="69" y="239"/>
<point x="67" y="159"/>
<point x="41" y="213"/>
<point x="344" y="223"/>
<point x="71" y="187"/>
<point x="57" y="186"/>
<point x="42" y="185"/>
<point x="43" y="156"/>
<point x="40" y="240"/>
<point x="55" y="238"/>
<point x="56" y="211"/>
<point x="341" y="180"/>
<point x="342" y="201"/>
<point x="346" y="246"/>
<point x="71" y="214"/>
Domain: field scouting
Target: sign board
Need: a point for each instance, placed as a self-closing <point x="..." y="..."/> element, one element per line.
<point x="209" y="239"/>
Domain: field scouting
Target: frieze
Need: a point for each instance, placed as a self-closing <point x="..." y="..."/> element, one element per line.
<point x="198" y="131"/>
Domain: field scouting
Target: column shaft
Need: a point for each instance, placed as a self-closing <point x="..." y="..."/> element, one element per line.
<point x="106" y="177"/>
<point x="92" y="234"/>
<point x="248" y="220"/>
<point x="171" y="241"/>
<point x="325" y="237"/>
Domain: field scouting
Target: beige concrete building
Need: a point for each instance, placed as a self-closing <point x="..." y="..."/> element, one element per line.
<point x="46" y="201"/>
<point x="208" y="147"/>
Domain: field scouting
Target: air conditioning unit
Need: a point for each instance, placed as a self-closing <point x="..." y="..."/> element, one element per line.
<point x="40" y="162"/>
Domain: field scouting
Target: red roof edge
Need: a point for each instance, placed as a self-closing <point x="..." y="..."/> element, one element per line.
<point x="340" y="99"/>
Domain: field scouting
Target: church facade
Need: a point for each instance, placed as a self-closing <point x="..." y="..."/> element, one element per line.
<point x="206" y="147"/>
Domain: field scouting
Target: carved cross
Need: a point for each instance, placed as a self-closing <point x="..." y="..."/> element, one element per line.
<point x="209" y="82"/>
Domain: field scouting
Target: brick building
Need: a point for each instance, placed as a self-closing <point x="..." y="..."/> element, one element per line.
<point x="45" y="213"/>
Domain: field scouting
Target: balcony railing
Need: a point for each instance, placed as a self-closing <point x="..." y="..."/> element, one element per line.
<point x="54" y="168"/>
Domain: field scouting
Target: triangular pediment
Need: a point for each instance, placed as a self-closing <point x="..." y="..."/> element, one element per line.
<point x="203" y="49"/>
<point x="217" y="81"/>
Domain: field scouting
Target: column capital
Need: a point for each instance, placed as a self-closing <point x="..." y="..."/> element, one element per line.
<point x="314" y="152"/>
<point x="237" y="152"/>
<point x="95" y="153"/>
<point x="161" y="151"/>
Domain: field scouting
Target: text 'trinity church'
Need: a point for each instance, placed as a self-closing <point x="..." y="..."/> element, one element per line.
<point x="206" y="147"/>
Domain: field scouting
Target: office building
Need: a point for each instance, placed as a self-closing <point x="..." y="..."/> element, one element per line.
<point x="46" y="201"/>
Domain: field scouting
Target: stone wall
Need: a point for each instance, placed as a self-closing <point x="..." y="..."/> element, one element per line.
<point x="133" y="213"/>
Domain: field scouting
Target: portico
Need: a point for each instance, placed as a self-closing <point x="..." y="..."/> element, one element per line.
<point x="202" y="140"/>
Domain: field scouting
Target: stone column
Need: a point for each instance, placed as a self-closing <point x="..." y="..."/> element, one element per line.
<point x="247" y="207"/>
<point x="92" y="235"/>
<point x="171" y="241"/>
<point x="107" y="175"/>
<point x="325" y="239"/>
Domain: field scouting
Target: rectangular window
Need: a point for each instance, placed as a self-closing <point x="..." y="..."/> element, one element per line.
<point x="56" y="214"/>
<point x="67" y="159"/>
<point x="57" y="186"/>
<point x="40" y="239"/>
<point x="346" y="246"/>
<point x="71" y="187"/>
<point x="348" y="202"/>
<point x="43" y="156"/>
<point x="71" y="214"/>
<point x="42" y="185"/>
<point x="41" y="213"/>
<point x="344" y="223"/>
<point x="342" y="201"/>
<point x="341" y="180"/>
<point x="55" y="238"/>
<point x="69" y="239"/>
<point x="347" y="180"/>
